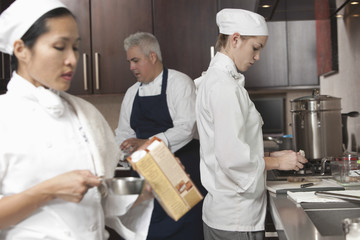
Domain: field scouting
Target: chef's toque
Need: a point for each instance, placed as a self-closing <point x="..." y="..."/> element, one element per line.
<point x="19" y="17"/>
<point x="244" y="22"/>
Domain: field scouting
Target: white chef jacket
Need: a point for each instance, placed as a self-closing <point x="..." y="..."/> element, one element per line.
<point x="41" y="137"/>
<point x="232" y="166"/>
<point x="180" y="97"/>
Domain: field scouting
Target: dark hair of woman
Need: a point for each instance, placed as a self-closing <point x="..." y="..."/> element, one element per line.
<point x="37" y="29"/>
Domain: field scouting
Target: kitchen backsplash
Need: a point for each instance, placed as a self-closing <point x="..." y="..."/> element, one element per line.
<point x="108" y="105"/>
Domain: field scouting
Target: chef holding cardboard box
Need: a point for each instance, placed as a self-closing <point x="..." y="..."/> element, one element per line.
<point x="161" y="103"/>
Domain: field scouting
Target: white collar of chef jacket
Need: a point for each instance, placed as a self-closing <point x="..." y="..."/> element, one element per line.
<point x="228" y="64"/>
<point x="49" y="99"/>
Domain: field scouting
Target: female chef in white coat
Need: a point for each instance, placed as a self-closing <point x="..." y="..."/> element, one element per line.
<point x="54" y="146"/>
<point x="232" y="157"/>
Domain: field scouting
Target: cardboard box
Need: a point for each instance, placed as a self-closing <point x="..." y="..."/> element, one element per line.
<point x="171" y="185"/>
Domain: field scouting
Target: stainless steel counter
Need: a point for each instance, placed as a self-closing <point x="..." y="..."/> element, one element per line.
<point x="293" y="223"/>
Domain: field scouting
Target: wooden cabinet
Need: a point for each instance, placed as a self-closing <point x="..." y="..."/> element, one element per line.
<point x="103" y="26"/>
<point x="243" y="4"/>
<point x="2" y="66"/>
<point x="186" y="30"/>
<point x="5" y="71"/>
<point x="5" y="59"/>
<point x="82" y="80"/>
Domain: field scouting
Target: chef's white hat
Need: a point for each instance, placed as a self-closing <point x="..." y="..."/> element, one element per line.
<point x="244" y="22"/>
<point x="18" y="18"/>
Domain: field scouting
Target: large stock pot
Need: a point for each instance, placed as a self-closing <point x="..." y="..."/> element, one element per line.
<point x="316" y="124"/>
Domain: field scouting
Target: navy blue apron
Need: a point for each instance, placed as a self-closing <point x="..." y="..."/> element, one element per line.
<point x="150" y="115"/>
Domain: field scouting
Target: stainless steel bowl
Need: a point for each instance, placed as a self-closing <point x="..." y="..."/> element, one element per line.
<point x="124" y="185"/>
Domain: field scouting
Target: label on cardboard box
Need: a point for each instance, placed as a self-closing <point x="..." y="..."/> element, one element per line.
<point x="172" y="187"/>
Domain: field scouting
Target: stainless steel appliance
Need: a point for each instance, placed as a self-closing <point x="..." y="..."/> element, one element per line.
<point x="317" y="128"/>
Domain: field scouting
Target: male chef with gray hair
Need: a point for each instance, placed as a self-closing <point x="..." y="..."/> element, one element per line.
<point x="162" y="104"/>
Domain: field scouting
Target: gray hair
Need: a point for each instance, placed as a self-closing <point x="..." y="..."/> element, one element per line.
<point x="145" y="41"/>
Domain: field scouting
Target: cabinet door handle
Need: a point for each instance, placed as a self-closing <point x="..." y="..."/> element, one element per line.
<point x="97" y="83"/>
<point x="85" y="71"/>
<point x="10" y="68"/>
<point x="2" y="66"/>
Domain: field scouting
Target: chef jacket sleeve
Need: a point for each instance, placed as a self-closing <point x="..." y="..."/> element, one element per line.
<point x="230" y="108"/>
<point x="181" y="103"/>
<point x="124" y="130"/>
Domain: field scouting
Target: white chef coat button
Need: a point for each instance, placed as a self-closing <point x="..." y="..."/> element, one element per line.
<point x="93" y="228"/>
<point x="49" y="145"/>
<point x="67" y="233"/>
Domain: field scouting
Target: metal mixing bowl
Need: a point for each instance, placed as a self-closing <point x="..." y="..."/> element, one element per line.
<point x="125" y="185"/>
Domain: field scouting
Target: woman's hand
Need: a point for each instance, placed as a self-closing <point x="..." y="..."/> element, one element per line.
<point x="285" y="160"/>
<point x="70" y="186"/>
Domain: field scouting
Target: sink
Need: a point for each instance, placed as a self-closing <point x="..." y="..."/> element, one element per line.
<point x="327" y="217"/>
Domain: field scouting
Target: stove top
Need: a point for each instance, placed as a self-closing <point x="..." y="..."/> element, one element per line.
<point x="311" y="169"/>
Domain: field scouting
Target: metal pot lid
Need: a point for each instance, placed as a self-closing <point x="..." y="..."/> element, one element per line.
<point x="316" y="98"/>
<point x="316" y="103"/>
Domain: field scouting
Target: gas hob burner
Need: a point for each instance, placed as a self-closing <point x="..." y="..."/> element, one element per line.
<point x="311" y="169"/>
